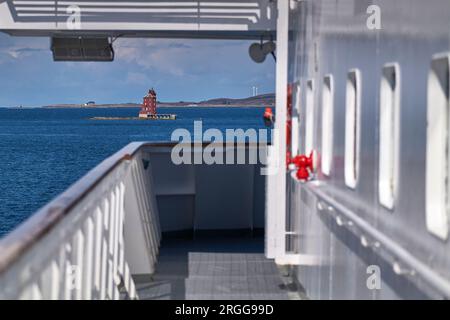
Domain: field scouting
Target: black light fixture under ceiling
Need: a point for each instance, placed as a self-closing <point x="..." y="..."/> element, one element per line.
<point x="82" y="49"/>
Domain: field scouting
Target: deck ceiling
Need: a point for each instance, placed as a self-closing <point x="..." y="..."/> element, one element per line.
<point x="232" y="19"/>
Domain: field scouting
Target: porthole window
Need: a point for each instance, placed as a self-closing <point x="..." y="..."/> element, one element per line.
<point x="437" y="158"/>
<point x="389" y="134"/>
<point x="309" y="126"/>
<point x="296" y="94"/>
<point x="327" y="123"/>
<point x="352" y="127"/>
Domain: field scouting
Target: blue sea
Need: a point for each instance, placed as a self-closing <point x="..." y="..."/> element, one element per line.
<point x="43" y="151"/>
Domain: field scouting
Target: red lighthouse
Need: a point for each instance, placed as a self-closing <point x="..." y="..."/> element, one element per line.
<point x="148" y="108"/>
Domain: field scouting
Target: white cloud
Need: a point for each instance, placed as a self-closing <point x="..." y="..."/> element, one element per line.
<point x="181" y="58"/>
<point x="158" y="55"/>
<point x="19" y="48"/>
<point x="137" y="78"/>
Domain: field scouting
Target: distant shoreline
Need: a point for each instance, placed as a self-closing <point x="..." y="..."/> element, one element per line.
<point x="262" y="100"/>
<point x="106" y="106"/>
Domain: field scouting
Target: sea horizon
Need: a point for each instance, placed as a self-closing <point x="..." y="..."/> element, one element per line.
<point x="45" y="150"/>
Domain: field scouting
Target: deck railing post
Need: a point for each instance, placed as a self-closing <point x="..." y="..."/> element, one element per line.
<point x="276" y="182"/>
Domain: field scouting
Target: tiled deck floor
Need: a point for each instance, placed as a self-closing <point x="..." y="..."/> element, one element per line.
<point x="213" y="268"/>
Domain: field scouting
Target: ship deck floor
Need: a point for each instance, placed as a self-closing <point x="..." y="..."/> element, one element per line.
<point x="229" y="268"/>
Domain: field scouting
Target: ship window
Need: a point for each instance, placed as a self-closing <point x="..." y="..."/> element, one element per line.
<point x="309" y="126"/>
<point x="295" y="117"/>
<point x="352" y="127"/>
<point x="437" y="158"/>
<point x="327" y="123"/>
<point x="389" y="134"/>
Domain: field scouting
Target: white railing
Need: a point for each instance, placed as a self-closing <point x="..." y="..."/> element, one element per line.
<point x="87" y="242"/>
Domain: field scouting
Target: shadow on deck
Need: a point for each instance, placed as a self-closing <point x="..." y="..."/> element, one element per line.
<point x="208" y="267"/>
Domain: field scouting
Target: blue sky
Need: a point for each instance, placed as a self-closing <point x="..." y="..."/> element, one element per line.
<point x="188" y="70"/>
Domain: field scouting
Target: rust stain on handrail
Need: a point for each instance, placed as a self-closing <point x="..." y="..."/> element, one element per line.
<point x="127" y="157"/>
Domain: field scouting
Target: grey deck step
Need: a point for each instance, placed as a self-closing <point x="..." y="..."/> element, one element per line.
<point x="228" y="269"/>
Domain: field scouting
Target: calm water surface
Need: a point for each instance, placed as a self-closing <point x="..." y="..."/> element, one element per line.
<point x="43" y="151"/>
